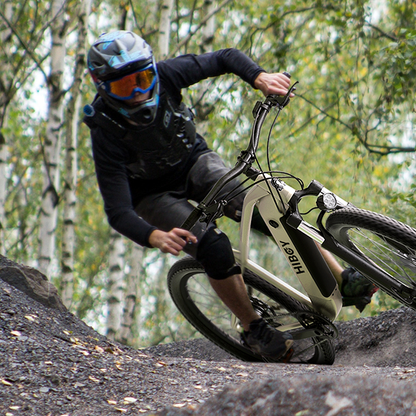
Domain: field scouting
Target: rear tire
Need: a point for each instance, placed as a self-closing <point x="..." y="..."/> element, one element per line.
<point x="191" y="292"/>
<point x="383" y="241"/>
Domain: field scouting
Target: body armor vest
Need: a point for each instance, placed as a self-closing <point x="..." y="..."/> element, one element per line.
<point x="154" y="150"/>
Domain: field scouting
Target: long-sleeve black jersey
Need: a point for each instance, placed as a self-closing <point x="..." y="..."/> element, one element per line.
<point x="120" y="192"/>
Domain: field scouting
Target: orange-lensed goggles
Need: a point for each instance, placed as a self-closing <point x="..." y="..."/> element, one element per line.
<point x="124" y="88"/>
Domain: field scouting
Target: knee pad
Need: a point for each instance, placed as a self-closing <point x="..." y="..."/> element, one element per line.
<point x="216" y="255"/>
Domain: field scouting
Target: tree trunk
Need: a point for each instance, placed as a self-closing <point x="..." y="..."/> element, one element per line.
<point x="208" y="31"/>
<point x="132" y="295"/>
<point x="115" y="288"/>
<point x="72" y="119"/>
<point x="164" y="28"/>
<point x="4" y="34"/>
<point x="52" y="145"/>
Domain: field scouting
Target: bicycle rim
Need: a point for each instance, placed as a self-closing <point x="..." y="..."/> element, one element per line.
<point x="383" y="241"/>
<point x="190" y="290"/>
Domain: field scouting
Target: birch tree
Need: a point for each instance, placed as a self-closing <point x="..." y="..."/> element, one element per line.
<point x="115" y="285"/>
<point x="164" y="28"/>
<point x="5" y="34"/>
<point x="71" y="166"/>
<point x="132" y="294"/>
<point x="52" y="140"/>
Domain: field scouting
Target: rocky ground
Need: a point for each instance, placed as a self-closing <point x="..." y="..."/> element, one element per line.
<point x="51" y="363"/>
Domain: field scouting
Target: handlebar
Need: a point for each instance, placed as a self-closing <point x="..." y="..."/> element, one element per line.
<point x="246" y="158"/>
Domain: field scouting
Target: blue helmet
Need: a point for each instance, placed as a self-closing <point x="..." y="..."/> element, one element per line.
<point x="122" y="64"/>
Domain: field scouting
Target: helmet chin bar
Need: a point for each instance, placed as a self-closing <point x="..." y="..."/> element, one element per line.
<point x="142" y="114"/>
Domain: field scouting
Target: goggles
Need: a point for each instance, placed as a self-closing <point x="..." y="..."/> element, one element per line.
<point x="124" y="88"/>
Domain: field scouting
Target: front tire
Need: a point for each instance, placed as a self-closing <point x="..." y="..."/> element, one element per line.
<point x="191" y="292"/>
<point x="383" y="241"/>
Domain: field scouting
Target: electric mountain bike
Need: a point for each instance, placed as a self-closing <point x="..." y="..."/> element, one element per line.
<point x="379" y="247"/>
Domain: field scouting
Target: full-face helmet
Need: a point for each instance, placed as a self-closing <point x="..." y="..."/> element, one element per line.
<point x="122" y="64"/>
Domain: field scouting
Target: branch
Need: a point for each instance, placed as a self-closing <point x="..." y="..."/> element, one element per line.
<point x="391" y="37"/>
<point x="203" y="21"/>
<point x="382" y="150"/>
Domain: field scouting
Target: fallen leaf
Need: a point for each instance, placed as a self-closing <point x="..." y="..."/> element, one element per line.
<point x="179" y="405"/>
<point x="99" y="349"/>
<point x="6" y="383"/>
<point x="130" y="400"/>
<point x="16" y="333"/>
<point x="111" y="402"/>
<point x="30" y="318"/>
<point x="160" y="364"/>
<point x="14" y="407"/>
<point x="96" y="380"/>
<point x="120" y="409"/>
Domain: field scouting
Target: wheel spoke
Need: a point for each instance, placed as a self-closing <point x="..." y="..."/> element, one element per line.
<point x="379" y="250"/>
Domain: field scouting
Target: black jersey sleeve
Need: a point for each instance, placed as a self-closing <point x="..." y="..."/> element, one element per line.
<point x="186" y="70"/>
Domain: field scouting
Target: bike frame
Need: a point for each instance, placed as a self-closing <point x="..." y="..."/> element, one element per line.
<point x="300" y="251"/>
<point x="278" y="203"/>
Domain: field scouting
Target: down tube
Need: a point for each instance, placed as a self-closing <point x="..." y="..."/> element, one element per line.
<point x="310" y="268"/>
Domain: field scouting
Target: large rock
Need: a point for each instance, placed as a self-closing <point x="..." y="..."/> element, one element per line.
<point x="32" y="282"/>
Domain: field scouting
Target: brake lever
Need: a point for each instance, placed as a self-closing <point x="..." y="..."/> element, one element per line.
<point x="281" y="101"/>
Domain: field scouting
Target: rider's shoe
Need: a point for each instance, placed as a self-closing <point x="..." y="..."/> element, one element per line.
<point x="266" y="341"/>
<point x="356" y="290"/>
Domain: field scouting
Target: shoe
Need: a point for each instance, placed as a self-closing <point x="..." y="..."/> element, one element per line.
<point x="356" y="290"/>
<point x="266" y="341"/>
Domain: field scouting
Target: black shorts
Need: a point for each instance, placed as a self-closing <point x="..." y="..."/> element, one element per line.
<point x="167" y="210"/>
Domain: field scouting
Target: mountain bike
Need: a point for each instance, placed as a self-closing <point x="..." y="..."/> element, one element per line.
<point x="379" y="247"/>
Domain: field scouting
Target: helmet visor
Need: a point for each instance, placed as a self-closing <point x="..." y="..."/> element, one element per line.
<point x="124" y="88"/>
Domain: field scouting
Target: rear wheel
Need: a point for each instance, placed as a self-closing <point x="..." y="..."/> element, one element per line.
<point x="190" y="290"/>
<point x="383" y="241"/>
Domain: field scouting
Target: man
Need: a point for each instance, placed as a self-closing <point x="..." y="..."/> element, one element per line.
<point x="150" y="161"/>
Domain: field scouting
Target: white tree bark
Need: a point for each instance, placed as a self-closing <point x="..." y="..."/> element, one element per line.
<point x="132" y="295"/>
<point x="4" y="34"/>
<point x="208" y="31"/>
<point x="72" y="119"/>
<point x="115" y="289"/>
<point x="52" y="144"/>
<point x="164" y="28"/>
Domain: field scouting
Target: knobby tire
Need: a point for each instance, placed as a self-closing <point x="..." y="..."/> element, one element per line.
<point x="383" y="241"/>
<point x="191" y="292"/>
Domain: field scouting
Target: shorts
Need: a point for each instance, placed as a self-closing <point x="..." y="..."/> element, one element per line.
<point x="167" y="210"/>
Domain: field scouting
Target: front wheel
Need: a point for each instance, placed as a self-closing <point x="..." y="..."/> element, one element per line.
<point x="384" y="242"/>
<point x="193" y="295"/>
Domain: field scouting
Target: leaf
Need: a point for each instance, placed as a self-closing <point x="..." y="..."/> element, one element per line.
<point x="130" y="400"/>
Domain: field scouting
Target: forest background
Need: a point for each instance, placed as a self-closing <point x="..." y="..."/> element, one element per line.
<point x="351" y="127"/>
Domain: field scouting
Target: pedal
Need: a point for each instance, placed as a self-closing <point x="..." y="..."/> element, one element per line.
<point x="286" y="358"/>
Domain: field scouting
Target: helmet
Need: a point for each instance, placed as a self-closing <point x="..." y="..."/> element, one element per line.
<point x="122" y="64"/>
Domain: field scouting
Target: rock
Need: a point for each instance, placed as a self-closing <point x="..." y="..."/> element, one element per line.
<point x="31" y="282"/>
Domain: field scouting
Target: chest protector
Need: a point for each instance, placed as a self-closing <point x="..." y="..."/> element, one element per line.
<point x="157" y="149"/>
